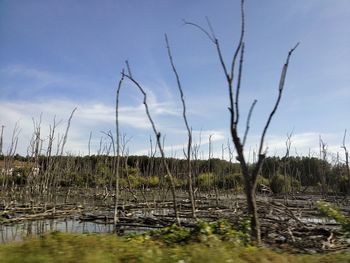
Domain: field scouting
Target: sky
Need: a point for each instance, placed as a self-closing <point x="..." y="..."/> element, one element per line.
<point x="58" y="55"/>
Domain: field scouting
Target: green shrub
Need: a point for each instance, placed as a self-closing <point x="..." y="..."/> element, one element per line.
<point x="230" y="181"/>
<point x="205" y="180"/>
<point x="202" y="232"/>
<point x="170" y="235"/>
<point x="332" y="212"/>
<point x="180" y="183"/>
<point x="227" y="232"/>
<point x="123" y="183"/>
<point x="135" y="181"/>
<point x="132" y="171"/>
<point x="152" y="181"/>
<point x="278" y="184"/>
<point x="295" y="184"/>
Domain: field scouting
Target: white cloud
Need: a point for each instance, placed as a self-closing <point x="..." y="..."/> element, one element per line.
<point x="302" y="144"/>
<point x="98" y="117"/>
<point x="201" y="137"/>
<point x="89" y="116"/>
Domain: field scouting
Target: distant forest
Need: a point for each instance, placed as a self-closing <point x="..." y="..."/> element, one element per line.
<point x="290" y="174"/>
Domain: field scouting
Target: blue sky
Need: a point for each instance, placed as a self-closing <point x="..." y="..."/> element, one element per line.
<point x="56" y="55"/>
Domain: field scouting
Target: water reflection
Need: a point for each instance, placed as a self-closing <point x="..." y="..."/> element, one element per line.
<point x="20" y="231"/>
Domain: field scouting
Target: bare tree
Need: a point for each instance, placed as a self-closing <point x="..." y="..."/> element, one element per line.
<point x="159" y="144"/>
<point x="8" y="159"/>
<point x="66" y="133"/>
<point x="1" y="138"/>
<point x="189" y="131"/>
<point x="89" y="144"/>
<point x="346" y="160"/>
<point x="195" y="156"/>
<point x="59" y="142"/>
<point x="49" y="161"/>
<point x="249" y="175"/>
<point x="323" y="156"/>
<point x="286" y="163"/>
<point x="117" y="138"/>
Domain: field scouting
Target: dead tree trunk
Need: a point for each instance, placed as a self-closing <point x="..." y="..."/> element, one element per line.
<point x="249" y="176"/>
<point x="286" y="162"/>
<point x="323" y="156"/>
<point x="67" y="129"/>
<point x="346" y="161"/>
<point x="1" y="139"/>
<point x="117" y="163"/>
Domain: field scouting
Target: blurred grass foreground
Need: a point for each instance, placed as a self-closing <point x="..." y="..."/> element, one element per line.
<point x="205" y="243"/>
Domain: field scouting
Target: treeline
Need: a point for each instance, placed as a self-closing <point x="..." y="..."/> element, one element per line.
<point x="308" y="172"/>
<point x="292" y="174"/>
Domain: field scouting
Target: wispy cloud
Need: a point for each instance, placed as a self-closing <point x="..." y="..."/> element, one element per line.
<point x="45" y="77"/>
<point x="22" y="81"/>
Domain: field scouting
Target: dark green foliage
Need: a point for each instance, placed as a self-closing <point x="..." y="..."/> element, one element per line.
<point x="170" y="235"/>
<point x="205" y="180"/>
<point x="208" y="181"/>
<point x="343" y="184"/>
<point x="280" y="184"/>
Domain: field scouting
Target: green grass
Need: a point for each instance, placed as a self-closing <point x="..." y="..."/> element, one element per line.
<point x="61" y="247"/>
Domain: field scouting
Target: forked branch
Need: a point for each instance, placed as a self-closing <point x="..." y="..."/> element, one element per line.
<point x="229" y="75"/>
<point x="158" y="137"/>
<point x="280" y="91"/>
<point x="248" y="121"/>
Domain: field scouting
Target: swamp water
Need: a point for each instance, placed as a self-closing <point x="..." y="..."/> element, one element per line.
<point x="31" y="228"/>
<point x="27" y="229"/>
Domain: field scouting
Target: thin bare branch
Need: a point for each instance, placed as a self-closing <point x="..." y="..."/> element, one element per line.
<point x="67" y="129"/>
<point x="216" y="43"/>
<point x="239" y="84"/>
<point x="128" y="67"/>
<point x="179" y="87"/>
<point x="288" y="144"/>
<point x="248" y="121"/>
<point x="240" y="40"/>
<point x="210" y="27"/>
<point x="344" y="138"/>
<point x="89" y="143"/>
<point x="212" y="38"/>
